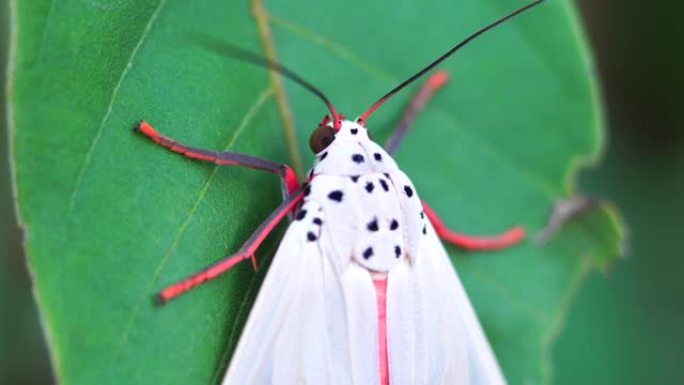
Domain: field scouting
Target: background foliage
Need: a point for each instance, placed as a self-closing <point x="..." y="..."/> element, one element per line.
<point x="572" y="349"/>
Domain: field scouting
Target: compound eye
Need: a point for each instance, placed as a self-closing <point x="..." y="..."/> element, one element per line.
<point x="321" y="138"/>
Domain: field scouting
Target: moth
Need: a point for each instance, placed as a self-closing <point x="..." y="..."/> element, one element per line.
<point x="361" y="290"/>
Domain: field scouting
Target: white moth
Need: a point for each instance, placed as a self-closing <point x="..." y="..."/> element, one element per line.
<point x="315" y="320"/>
<point x="361" y="290"/>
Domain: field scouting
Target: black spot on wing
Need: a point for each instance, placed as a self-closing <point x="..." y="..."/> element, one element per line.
<point x="323" y="155"/>
<point x="354" y="131"/>
<point x="378" y="156"/>
<point x="300" y="215"/>
<point x="372" y="225"/>
<point x="384" y="184"/>
<point x="358" y="158"/>
<point x="368" y="253"/>
<point x="369" y="187"/>
<point x="335" y="195"/>
<point x="355" y="178"/>
<point x="394" y="225"/>
<point x="311" y="236"/>
<point x="307" y="190"/>
<point x="424" y="229"/>
<point x="408" y="190"/>
<point x="318" y="221"/>
<point x="397" y="251"/>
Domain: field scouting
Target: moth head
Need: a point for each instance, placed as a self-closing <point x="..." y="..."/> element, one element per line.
<point x="321" y="138"/>
<point x="326" y="134"/>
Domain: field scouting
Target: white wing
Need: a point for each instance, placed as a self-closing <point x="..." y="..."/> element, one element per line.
<point x="433" y="334"/>
<point x="311" y="322"/>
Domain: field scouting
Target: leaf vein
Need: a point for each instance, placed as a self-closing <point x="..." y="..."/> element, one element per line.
<point x="110" y="108"/>
<point x="43" y="39"/>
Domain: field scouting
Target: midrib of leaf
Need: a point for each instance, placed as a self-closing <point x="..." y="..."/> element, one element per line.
<point x="261" y="17"/>
<point x="163" y="261"/>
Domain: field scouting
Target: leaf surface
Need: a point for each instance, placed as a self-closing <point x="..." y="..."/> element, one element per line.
<point x="110" y="219"/>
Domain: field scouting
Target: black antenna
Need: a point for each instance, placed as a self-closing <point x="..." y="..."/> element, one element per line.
<point x="365" y="115"/>
<point x="228" y="49"/>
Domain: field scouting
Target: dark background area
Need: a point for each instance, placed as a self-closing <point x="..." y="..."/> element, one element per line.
<point x="626" y="324"/>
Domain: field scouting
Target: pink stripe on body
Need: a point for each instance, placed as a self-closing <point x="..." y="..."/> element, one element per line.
<point x="380" y="295"/>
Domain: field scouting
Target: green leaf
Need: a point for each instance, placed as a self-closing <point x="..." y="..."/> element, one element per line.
<point x="110" y="219"/>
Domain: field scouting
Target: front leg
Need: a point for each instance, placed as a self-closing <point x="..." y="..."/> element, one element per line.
<point x="225" y="158"/>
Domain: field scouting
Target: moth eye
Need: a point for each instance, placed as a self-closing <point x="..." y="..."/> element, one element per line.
<point x="321" y="138"/>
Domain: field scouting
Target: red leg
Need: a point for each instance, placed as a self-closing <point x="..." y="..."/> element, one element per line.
<point x="507" y="239"/>
<point x="434" y="83"/>
<point x="288" y="177"/>
<point x="246" y="251"/>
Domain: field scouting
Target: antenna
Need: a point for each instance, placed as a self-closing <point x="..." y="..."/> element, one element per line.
<point x="362" y="119"/>
<point x="234" y="51"/>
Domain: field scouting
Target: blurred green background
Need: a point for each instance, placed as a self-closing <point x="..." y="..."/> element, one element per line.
<point x="626" y="324"/>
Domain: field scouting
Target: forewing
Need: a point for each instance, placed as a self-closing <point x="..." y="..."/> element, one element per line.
<point x="310" y="322"/>
<point x="434" y="336"/>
